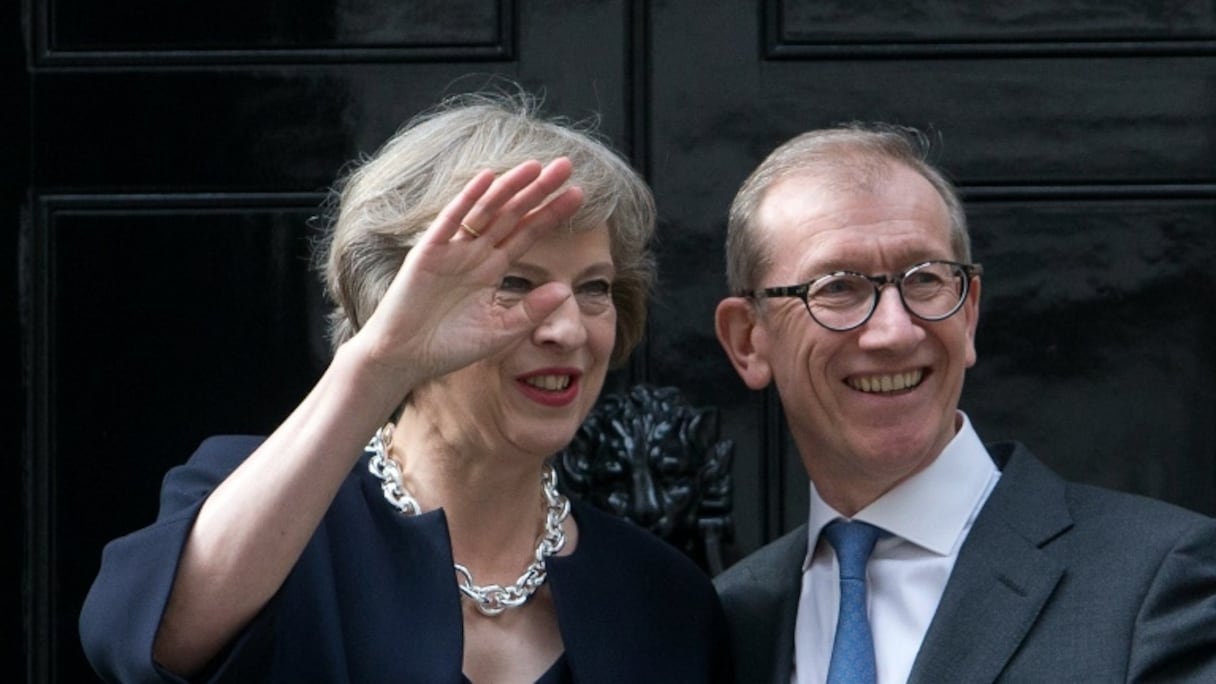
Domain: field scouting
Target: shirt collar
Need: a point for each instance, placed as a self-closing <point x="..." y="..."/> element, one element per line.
<point x="956" y="483"/>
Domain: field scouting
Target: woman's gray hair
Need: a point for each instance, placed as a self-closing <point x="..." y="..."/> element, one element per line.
<point x="381" y="207"/>
<point x="851" y="157"/>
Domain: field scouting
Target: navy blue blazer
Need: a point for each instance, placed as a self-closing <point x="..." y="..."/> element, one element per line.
<point x="373" y="598"/>
<point x="1056" y="582"/>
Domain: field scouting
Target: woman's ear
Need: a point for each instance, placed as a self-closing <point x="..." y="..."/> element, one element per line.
<point x="738" y="332"/>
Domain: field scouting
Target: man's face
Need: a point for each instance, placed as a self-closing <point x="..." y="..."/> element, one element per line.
<point x="847" y="428"/>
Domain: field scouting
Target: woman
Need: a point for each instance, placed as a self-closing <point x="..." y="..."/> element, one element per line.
<point x="402" y="524"/>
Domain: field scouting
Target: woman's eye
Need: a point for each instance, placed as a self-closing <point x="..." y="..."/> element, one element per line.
<point x="595" y="297"/>
<point x="601" y="288"/>
<point x="515" y="284"/>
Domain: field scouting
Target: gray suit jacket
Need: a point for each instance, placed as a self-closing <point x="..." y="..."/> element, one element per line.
<point x="1056" y="582"/>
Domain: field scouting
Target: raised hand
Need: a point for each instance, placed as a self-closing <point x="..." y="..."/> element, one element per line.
<point x="439" y="314"/>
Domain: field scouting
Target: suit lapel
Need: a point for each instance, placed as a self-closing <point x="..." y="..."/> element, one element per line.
<point x="761" y="596"/>
<point x="772" y="643"/>
<point x="1002" y="578"/>
<point x="786" y="612"/>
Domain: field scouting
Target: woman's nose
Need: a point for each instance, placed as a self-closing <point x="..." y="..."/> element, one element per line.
<point x="564" y="327"/>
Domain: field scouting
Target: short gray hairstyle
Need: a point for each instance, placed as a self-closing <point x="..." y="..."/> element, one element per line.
<point x="850" y="157"/>
<point x="381" y="207"/>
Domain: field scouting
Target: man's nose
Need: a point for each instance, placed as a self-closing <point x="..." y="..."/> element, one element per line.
<point x="891" y="324"/>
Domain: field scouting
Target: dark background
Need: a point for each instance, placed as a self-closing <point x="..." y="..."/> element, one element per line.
<point x="161" y="160"/>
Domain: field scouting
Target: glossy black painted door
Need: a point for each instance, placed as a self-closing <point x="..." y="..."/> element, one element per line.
<point x="176" y="154"/>
<point x="1085" y="147"/>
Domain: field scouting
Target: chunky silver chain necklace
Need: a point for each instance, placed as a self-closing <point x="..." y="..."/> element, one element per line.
<point x="492" y="599"/>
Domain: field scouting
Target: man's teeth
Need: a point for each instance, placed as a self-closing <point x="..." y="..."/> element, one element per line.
<point x="551" y="383"/>
<point x="887" y="383"/>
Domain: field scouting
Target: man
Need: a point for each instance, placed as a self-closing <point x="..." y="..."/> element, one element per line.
<point x="855" y="294"/>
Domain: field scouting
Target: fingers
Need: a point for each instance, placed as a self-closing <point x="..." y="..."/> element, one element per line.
<point x="492" y="208"/>
<point x="538" y="305"/>
<point x="451" y="218"/>
<point x="522" y="199"/>
<point x="545" y="217"/>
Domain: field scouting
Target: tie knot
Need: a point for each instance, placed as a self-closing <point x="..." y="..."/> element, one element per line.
<point x="854" y="542"/>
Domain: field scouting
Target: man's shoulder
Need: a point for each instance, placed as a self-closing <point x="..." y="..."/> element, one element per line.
<point x="1032" y="493"/>
<point x="768" y="565"/>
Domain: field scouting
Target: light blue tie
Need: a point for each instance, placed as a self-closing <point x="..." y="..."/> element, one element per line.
<point x="853" y="650"/>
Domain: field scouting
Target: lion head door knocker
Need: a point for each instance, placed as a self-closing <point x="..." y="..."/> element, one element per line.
<point x="651" y="458"/>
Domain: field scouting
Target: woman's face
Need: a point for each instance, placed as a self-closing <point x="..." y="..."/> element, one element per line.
<point x="535" y="394"/>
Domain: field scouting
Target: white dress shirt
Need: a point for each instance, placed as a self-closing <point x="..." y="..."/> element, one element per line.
<point x="927" y="517"/>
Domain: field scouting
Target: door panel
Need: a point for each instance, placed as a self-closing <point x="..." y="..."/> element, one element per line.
<point x="176" y="155"/>
<point x="276" y="30"/>
<point x="166" y="323"/>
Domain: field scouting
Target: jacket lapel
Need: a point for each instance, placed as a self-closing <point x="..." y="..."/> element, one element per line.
<point x="760" y="596"/>
<point x="1002" y="578"/>
<point x="785" y="611"/>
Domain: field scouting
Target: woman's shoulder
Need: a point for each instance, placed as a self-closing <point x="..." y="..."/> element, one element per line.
<point x="214" y="459"/>
<point x="613" y="545"/>
<point x="626" y="590"/>
<point x="219" y="454"/>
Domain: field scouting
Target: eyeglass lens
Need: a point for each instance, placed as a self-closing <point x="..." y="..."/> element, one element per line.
<point x="842" y="301"/>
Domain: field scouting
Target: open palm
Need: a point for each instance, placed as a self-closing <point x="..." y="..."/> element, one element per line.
<point x="440" y="314"/>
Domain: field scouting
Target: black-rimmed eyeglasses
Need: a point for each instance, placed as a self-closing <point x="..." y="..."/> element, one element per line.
<point x="844" y="300"/>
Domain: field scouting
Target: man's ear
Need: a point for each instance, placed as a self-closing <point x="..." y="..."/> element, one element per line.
<point x="971" y="312"/>
<point x="739" y="333"/>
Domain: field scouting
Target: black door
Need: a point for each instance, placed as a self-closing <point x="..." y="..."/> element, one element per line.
<point x="1083" y="137"/>
<point x="174" y="154"/>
